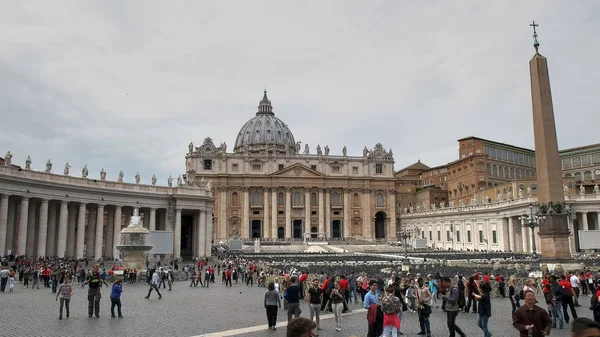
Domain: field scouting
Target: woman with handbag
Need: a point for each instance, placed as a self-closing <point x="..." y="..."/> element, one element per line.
<point x="424" y="309"/>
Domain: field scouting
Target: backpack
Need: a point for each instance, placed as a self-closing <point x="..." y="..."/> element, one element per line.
<point x="461" y="299"/>
<point x="562" y="293"/>
<point x="593" y="302"/>
<point x="391" y="305"/>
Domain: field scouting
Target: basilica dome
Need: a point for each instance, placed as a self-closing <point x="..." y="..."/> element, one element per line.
<point x="265" y="133"/>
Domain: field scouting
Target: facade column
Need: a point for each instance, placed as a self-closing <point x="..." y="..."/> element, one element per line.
<point x="307" y="213"/>
<point x="177" y="234"/>
<point x="152" y="225"/>
<point x="80" y="231"/>
<point x="511" y="234"/>
<point x="51" y="237"/>
<point x="110" y="227"/>
<point x="201" y="221"/>
<point x="246" y="215"/>
<point x="98" y="238"/>
<point x="3" y="223"/>
<point x="288" y="213"/>
<point x="222" y="229"/>
<point x="347" y="214"/>
<point x="266" y="231"/>
<point x="584" y="221"/>
<point x="117" y="231"/>
<point x="168" y="223"/>
<point x="328" y="213"/>
<point x="321" y="212"/>
<point x="392" y="235"/>
<point x="146" y="223"/>
<point x="274" y="222"/>
<point x="72" y="224"/>
<point x="573" y="229"/>
<point x="89" y="233"/>
<point x="31" y="226"/>
<point x="368" y="222"/>
<point x="22" y="230"/>
<point x="524" y="239"/>
<point x="208" y="237"/>
<point x="61" y="246"/>
<point x="43" y="230"/>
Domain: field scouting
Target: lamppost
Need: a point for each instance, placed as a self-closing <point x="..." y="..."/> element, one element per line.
<point x="532" y="221"/>
<point x="404" y="235"/>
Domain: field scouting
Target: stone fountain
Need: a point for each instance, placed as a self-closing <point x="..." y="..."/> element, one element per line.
<point x="134" y="243"/>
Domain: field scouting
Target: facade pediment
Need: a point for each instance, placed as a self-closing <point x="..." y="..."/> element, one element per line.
<point x="297" y="170"/>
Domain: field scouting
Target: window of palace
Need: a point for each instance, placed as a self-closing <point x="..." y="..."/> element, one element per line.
<point x="354" y="169"/>
<point x="380" y="201"/>
<point x="280" y="212"/>
<point x="494" y="237"/>
<point x="207" y="164"/>
<point x="335" y="198"/>
<point x="297" y="198"/>
<point x="576" y="161"/>
<point x="571" y="185"/>
<point x="430" y="236"/>
<point x="313" y="213"/>
<point x="335" y="169"/>
<point x="587" y="175"/>
<point x="448" y="236"/>
<point x="280" y="167"/>
<point x="480" y="236"/>
<point x="379" y="168"/>
<point x="566" y="163"/>
<point x="313" y="167"/>
<point x="280" y="199"/>
<point x="534" y="187"/>
<point x="596" y="158"/>
<point x="336" y="212"/>
<point x="256" y="167"/>
<point x="469" y="236"/>
<point x="256" y="212"/>
<point x="577" y="176"/>
<point x="457" y="236"/>
<point x="313" y="199"/>
<point x="234" y="167"/>
<point x="255" y="198"/>
<point x="439" y="235"/>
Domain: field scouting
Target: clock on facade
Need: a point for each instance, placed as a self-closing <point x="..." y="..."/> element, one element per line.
<point x="597" y="173"/>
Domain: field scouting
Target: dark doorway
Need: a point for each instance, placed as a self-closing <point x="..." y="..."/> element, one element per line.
<point x="297" y="229"/>
<point x="255" y="229"/>
<point x="280" y="233"/>
<point x="336" y="229"/>
<point x="313" y="232"/>
<point x="187" y="238"/>
<point x="380" y="225"/>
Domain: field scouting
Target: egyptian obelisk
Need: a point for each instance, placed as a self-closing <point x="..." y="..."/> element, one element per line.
<point x="554" y="230"/>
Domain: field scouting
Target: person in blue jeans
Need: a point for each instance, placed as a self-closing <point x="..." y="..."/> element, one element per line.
<point x="115" y="298"/>
<point x="485" y="308"/>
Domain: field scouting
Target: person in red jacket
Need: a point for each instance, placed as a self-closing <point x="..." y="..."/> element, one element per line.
<point x="301" y="281"/>
<point x="345" y="285"/>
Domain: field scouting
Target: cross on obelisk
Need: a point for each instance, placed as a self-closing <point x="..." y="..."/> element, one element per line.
<point x="534" y="25"/>
<point x="536" y="44"/>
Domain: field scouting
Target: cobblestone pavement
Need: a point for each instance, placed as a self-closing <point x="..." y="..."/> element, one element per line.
<point x="200" y="311"/>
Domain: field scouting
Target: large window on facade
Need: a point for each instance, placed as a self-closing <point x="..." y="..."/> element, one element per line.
<point x="335" y="198"/>
<point x="378" y="168"/>
<point x="577" y="176"/>
<point x="587" y="175"/>
<point x="380" y="202"/>
<point x="469" y="236"/>
<point x="481" y="236"/>
<point x="280" y="199"/>
<point x="297" y="198"/>
<point x="494" y="237"/>
<point x="457" y="236"/>
<point x="313" y="199"/>
<point x="255" y="198"/>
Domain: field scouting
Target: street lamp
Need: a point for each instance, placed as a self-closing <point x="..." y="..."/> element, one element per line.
<point x="532" y="221"/>
<point x="404" y="235"/>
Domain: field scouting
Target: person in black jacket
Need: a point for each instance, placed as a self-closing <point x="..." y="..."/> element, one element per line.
<point x="485" y="308"/>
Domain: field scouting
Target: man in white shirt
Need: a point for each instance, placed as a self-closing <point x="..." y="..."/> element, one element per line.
<point x="575" y="284"/>
<point x="154" y="285"/>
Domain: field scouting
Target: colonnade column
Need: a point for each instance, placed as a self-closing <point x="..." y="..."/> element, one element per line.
<point x="89" y="233"/>
<point x="201" y="221"/>
<point x="110" y="227"/>
<point x="61" y="246"/>
<point x="99" y="232"/>
<point x="51" y="237"/>
<point x="3" y="223"/>
<point x="177" y="234"/>
<point x="328" y="213"/>
<point x="321" y="211"/>
<point x="31" y="224"/>
<point x="347" y="214"/>
<point x="511" y="235"/>
<point x="584" y="221"/>
<point x="392" y="227"/>
<point x="22" y="230"/>
<point x="43" y="229"/>
<point x="223" y="214"/>
<point x="208" y="224"/>
<point x="274" y="222"/>
<point x="288" y="213"/>
<point x="80" y="231"/>
<point x="307" y="212"/>
<point x="367" y="219"/>
<point x="152" y="225"/>
<point x="266" y="232"/>
<point x="116" y="231"/>
<point x="72" y="224"/>
<point x="524" y="239"/>
<point x="246" y="214"/>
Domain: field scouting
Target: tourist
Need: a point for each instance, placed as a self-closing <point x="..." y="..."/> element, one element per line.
<point x="93" y="281"/>
<point x="301" y="327"/>
<point x="272" y="303"/>
<point x="433" y="287"/>
<point x="154" y="285"/>
<point x="566" y="297"/>
<point x="65" y="291"/>
<point x="485" y="308"/>
<point x="391" y="306"/>
<point x="115" y="298"/>
<point x="371" y="297"/>
<point x="423" y="307"/>
<point x="472" y="290"/>
<point x="585" y="327"/>
<point x="512" y="294"/>
<point x="411" y="295"/>
<point x="277" y="284"/>
<point x="337" y="304"/>
<point x="452" y="306"/>
<point x="554" y="302"/>
<point x="595" y="305"/>
<point x="291" y="295"/>
<point x="575" y="284"/>
<point x="11" y="280"/>
<point x="532" y="318"/>
<point x="314" y="299"/>
<point x="352" y="293"/>
<point x="3" y="278"/>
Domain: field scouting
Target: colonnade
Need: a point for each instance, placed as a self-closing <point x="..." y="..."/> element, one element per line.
<point x="50" y="227"/>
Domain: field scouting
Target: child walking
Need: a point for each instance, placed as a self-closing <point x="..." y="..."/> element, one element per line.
<point x="115" y="298"/>
<point x="65" y="291"/>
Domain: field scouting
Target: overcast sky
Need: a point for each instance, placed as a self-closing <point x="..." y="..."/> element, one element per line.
<point x="126" y="85"/>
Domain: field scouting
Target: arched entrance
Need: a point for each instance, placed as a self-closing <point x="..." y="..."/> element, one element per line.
<point x="380" y="225"/>
<point x="297" y="229"/>
<point x="281" y="233"/>
<point x="255" y="229"/>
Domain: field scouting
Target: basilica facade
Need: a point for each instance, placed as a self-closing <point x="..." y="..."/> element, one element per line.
<point x="270" y="187"/>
